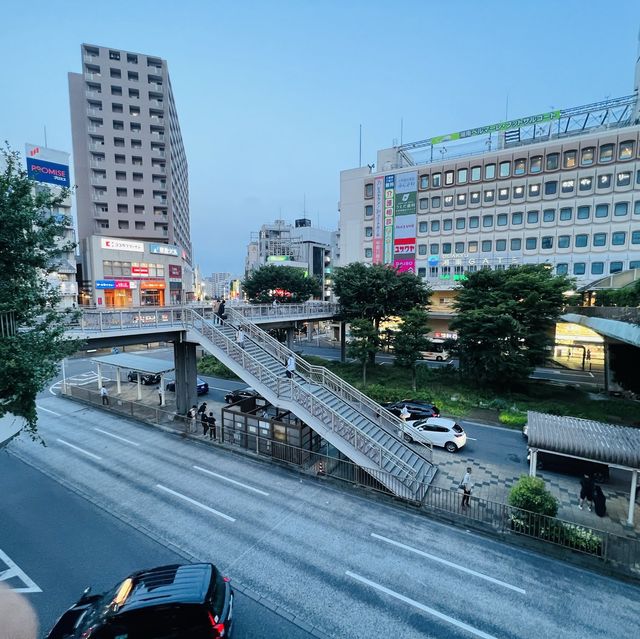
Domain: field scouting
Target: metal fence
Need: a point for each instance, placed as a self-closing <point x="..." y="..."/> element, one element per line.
<point x="7" y="324"/>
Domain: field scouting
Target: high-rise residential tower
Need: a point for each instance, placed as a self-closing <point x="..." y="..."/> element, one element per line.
<point x="130" y="163"/>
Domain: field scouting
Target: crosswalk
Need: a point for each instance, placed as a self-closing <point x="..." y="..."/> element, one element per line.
<point x="82" y="379"/>
<point x="12" y="576"/>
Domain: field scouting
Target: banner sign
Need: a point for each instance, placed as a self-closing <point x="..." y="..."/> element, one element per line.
<point x="102" y="284"/>
<point x="121" y="245"/>
<point x="110" y="284"/>
<point x="140" y="270"/>
<point x="164" y="249"/>
<point x="406" y="182"/>
<point x="175" y="271"/>
<point x="378" y="228"/>
<point x="404" y="222"/>
<point x="405" y="203"/>
<point x="389" y="183"/>
<point x="49" y="172"/>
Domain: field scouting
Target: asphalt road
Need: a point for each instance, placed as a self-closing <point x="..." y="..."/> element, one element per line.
<point x="64" y="543"/>
<point x="346" y="565"/>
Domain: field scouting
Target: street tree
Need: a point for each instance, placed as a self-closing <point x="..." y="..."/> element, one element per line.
<point x="284" y="284"/>
<point x="31" y="243"/>
<point x="505" y="322"/>
<point x="363" y="344"/>
<point x="411" y="340"/>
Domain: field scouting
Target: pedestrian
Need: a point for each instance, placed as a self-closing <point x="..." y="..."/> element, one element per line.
<point x="216" y="306"/>
<point x="191" y="418"/>
<point x="467" y="485"/>
<point x="159" y="395"/>
<point x="240" y="338"/>
<point x="586" y="490"/>
<point x="404" y="413"/>
<point x="104" y="393"/>
<point x="212" y="425"/>
<point x="588" y="355"/>
<point x="274" y="303"/>
<point x="220" y="312"/>
<point x="202" y="410"/>
<point x="291" y="366"/>
<point x="599" y="502"/>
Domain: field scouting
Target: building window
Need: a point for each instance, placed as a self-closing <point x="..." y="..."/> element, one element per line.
<point x="132" y="59"/>
<point x="597" y="268"/>
<point x="564" y="241"/>
<point x="615" y="267"/>
<point x="604" y="181"/>
<point x="585" y="184"/>
<point x="579" y="268"/>
<point x="516" y="244"/>
<point x="570" y="159"/>
<point x="505" y="169"/>
<point x="566" y="214"/>
<point x="634" y="264"/>
<point x="422" y="272"/>
<point x="435" y="181"/>
<point x="123" y="208"/>
<point x="448" y="178"/>
<point x="486" y="246"/>
<point x="123" y="224"/>
<point x="114" y="55"/>
<point x="568" y="186"/>
<point x="606" y="152"/>
<point x="446" y="248"/>
<point x="503" y="194"/>
<point x="562" y="268"/>
<point x="476" y="173"/>
<point x="550" y="187"/>
<point x="115" y="90"/>
<point x="448" y="200"/>
<point x="368" y="253"/>
<point x="535" y="164"/>
<point x="487" y="221"/>
<point x="460" y="223"/>
<point x="620" y="208"/>
<point x="422" y="249"/>
<point x="474" y="197"/>
<point x="435" y="226"/>
<point x="623" y="179"/>
<point x="474" y="222"/>
<point x="472" y="247"/>
<point x="599" y="239"/>
<point x="583" y="212"/>
<point x="121" y="192"/>
<point x="117" y="108"/>
<point x="434" y="249"/>
<point x="489" y="171"/>
<point x="368" y="231"/>
<point x="553" y="160"/>
<point x="636" y="208"/>
<point x="423" y="227"/>
<point x="635" y="237"/>
<point x="447" y="225"/>
<point x="462" y="176"/>
<point x="549" y="215"/>
<point x="602" y="210"/>
<point x="518" y="192"/>
<point x="520" y="166"/>
<point x="618" y="238"/>
<point x="546" y="242"/>
<point x="435" y="202"/>
<point x="534" y="190"/>
<point x="140" y="226"/>
<point x="516" y="217"/>
<point x="581" y="240"/>
<point x="368" y="210"/>
<point x="424" y="203"/>
<point x="531" y="243"/>
<point x="424" y="182"/>
<point x="501" y="245"/>
<point x="625" y="152"/>
<point x="489" y="195"/>
<point x="532" y="217"/>
<point x="459" y="247"/>
<point x="502" y="219"/>
<point x="587" y="156"/>
<point x="368" y="190"/>
<point x="461" y="199"/>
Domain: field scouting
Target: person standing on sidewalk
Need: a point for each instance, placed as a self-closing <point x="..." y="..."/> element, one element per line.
<point x="191" y="418"/>
<point x="587" y="486"/>
<point x="159" y="396"/>
<point x="104" y="393"/>
<point x="212" y="426"/>
<point x="467" y="485"/>
<point x="220" y="312"/>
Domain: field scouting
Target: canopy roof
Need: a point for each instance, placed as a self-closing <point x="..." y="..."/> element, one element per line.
<point x="136" y="363"/>
<point x="606" y="443"/>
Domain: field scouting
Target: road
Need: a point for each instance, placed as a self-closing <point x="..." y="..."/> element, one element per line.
<point x="343" y="564"/>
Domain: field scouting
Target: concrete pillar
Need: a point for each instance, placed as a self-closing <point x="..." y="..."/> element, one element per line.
<point x="533" y="463"/>
<point x="290" y="336"/>
<point x="99" y="376"/>
<point x="118" y="386"/>
<point x="139" y="386"/>
<point x="310" y="331"/>
<point x="184" y="354"/>
<point x="163" y="390"/>
<point x="632" y="496"/>
<point x="343" y="342"/>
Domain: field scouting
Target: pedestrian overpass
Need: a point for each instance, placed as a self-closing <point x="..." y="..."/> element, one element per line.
<point x="357" y="426"/>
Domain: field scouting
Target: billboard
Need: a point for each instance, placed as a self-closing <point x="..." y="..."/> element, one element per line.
<point x="404" y="221"/>
<point x="389" y="184"/>
<point x="121" y="245"/>
<point x="164" y="249"/>
<point x="47" y="165"/>
<point x="378" y="227"/>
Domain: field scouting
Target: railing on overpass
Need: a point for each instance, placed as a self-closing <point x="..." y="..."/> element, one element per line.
<point x="254" y="312"/>
<point x="620" y="313"/>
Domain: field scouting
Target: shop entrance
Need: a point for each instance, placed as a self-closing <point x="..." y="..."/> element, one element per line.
<point x="118" y="297"/>
<point x="152" y="297"/>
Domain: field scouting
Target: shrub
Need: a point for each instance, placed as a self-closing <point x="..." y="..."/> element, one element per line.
<point x="211" y="366"/>
<point x="530" y="494"/>
<point x="512" y="418"/>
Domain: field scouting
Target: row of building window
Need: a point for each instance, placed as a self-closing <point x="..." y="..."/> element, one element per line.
<point x="117" y="268"/>
<point x="132" y="58"/>
<point x="597" y="268"/>
<point x="98" y="143"/>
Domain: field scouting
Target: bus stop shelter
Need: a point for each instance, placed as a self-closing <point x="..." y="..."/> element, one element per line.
<point x="132" y="362"/>
<point x="616" y="446"/>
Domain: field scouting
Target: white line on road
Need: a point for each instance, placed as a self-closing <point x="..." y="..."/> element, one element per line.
<point x="194" y="502"/>
<point x="123" y="439"/>
<point x="14" y="571"/>
<point x="46" y="410"/>
<point x="231" y="481"/>
<point x="473" y="439"/>
<point x="449" y="563"/>
<point x="419" y="606"/>
<point x="80" y="450"/>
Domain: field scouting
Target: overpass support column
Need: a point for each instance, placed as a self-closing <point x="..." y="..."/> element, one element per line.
<point x="533" y="462"/>
<point x="290" y="335"/>
<point x="184" y="354"/>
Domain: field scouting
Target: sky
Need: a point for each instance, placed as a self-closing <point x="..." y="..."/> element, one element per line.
<point x="271" y="95"/>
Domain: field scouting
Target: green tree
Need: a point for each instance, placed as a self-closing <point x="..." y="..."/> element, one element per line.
<point x="529" y="493"/>
<point x="364" y="343"/>
<point x="261" y="284"/>
<point x="411" y="340"/>
<point x="31" y="235"/>
<point x="505" y="322"/>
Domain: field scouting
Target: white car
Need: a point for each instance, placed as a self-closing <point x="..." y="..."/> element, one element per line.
<point x="440" y="431"/>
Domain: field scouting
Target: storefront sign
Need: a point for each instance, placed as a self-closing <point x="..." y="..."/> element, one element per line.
<point x="157" y="284"/>
<point x="175" y="271"/>
<point x="405" y="203"/>
<point x="121" y="245"/>
<point x="389" y="182"/>
<point x="164" y="249"/>
<point x="406" y="182"/>
<point x="108" y="284"/>
<point x="140" y="270"/>
<point x="102" y="284"/>
<point x="378" y="228"/>
<point x="279" y="258"/>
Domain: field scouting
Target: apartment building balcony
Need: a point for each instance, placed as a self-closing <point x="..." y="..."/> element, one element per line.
<point x="160" y="199"/>
<point x="89" y="58"/>
<point x="97" y="164"/>
<point x="95" y="128"/>
<point x="95" y="112"/>
<point x="159" y="104"/>
<point x="158" y="153"/>
<point x="99" y="197"/>
<point x="91" y="93"/>
<point x="96" y="146"/>
<point x="95" y="77"/>
<point x="98" y="181"/>
<point x="157" y="136"/>
<point x="155" y="86"/>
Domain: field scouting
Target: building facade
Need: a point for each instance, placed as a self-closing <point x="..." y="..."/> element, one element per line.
<point x="130" y="164"/>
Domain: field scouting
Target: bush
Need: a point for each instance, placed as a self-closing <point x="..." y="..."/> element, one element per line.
<point x="530" y="494"/>
<point x="512" y="418"/>
<point x="211" y="366"/>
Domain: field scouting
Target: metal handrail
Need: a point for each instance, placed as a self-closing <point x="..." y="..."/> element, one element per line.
<point x="286" y="310"/>
<point x="315" y="406"/>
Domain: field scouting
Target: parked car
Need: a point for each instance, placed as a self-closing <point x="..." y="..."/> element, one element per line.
<point x="202" y="387"/>
<point x="192" y="600"/>
<point x="145" y="378"/>
<point x="240" y="393"/>
<point x="440" y="431"/>
<point x="417" y="409"/>
<point x="571" y="466"/>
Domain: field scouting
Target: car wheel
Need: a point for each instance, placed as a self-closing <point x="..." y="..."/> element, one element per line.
<point x="450" y="447"/>
<point x="438" y="359"/>
<point x="407" y="437"/>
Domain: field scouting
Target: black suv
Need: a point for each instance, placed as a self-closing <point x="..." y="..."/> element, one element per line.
<point x="169" y="602"/>
<point x="145" y="378"/>
<point x="417" y="409"/>
<point x="239" y="394"/>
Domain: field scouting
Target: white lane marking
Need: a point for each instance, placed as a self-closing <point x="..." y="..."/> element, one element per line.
<point x="80" y="450"/>
<point x="473" y="439"/>
<point x="231" y="481"/>
<point x="122" y="439"/>
<point x="416" y="604"/>
<point x="194" y="502"/>
<point x="449" y="563"/>
<point x="46" y="410"/>
<point x="14" y="571"/>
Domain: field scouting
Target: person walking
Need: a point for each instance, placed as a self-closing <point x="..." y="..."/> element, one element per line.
<point x="191" y="418"/>
<point x="220" y="311"/>
<point x="588" y="355"/>
<point x="104" y="393"/>
<point x="599" y="502"/>
<point x="212" y="425"/>
<point x="587" y="486"/>
<point x="467" y="485"/>
<point x="240" y="338"/>
<point x="216" y="306"/>
<point x="404" y="413"/>
<point x="291" y="366"/>
<point x="159" y="396"/>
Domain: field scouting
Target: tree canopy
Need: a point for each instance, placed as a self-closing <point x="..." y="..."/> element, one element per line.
<point x="411" y="340"/>
<point x="364" y="343"/>
<point x="31" y="232"/>
<point x="505" y="322"/>
<point x="377" y="291"/>
<point x="284" y="284"/>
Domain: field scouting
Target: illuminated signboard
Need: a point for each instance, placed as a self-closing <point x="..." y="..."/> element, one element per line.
<point x="164" y="249"/>
<point x="279" y="258"/>
<point x="175" y="271"/>
<point x="47" y="165"/>
<point x="110" y="284"/>
<point x="121" y="245"/>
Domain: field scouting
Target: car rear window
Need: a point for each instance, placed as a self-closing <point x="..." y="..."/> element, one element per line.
<point x="457" y="429"/>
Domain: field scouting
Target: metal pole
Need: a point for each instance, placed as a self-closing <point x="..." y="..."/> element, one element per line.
<point x="632" y="496"/>
<point x="64" y="377"/>
<point x="533" y="463"/>
<point x="99" y="376"/>
<point x="118" y="386"/>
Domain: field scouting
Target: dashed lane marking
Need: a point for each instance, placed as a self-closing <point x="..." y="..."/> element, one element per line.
<point x="80" y="450"/>
<point x="194" y="502"/>
<point x="122" y="439"/>
<point x="231" y="481"/>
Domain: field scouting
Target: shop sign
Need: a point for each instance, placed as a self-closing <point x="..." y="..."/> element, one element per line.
<point x="140" y="270"/>
<point x="102" y="284"/>
<point x="158" y="284"/>
<point x="164" y="249"/>
<point x="126" y="284"/>
<point x="49" y="172"/>
<point x="121" y="245"/>
<point x="175" y="271"/>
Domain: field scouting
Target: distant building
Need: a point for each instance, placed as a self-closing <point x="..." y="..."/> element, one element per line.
<point x="218" y="285"/>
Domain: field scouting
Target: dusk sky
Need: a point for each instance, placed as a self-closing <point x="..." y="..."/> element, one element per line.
<point x="270" y="95"/>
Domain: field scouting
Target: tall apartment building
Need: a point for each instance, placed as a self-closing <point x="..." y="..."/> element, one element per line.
<point x="129" y="159"/>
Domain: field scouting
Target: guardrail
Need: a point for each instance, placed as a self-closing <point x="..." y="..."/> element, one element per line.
<point x="620" y="313"/>
<point x="268" y="311"/>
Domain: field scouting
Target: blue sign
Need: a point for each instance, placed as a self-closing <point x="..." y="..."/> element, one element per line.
<point x="389" y="181"/>
<point x="49" y="172"/>
<point x="101" y="284"/>
<point x="164" y="249"/>
<point x="433" y="260"/>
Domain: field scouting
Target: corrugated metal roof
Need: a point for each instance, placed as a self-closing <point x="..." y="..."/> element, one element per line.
<point x="136" y="363"/>
<point x="607" y="443"/>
